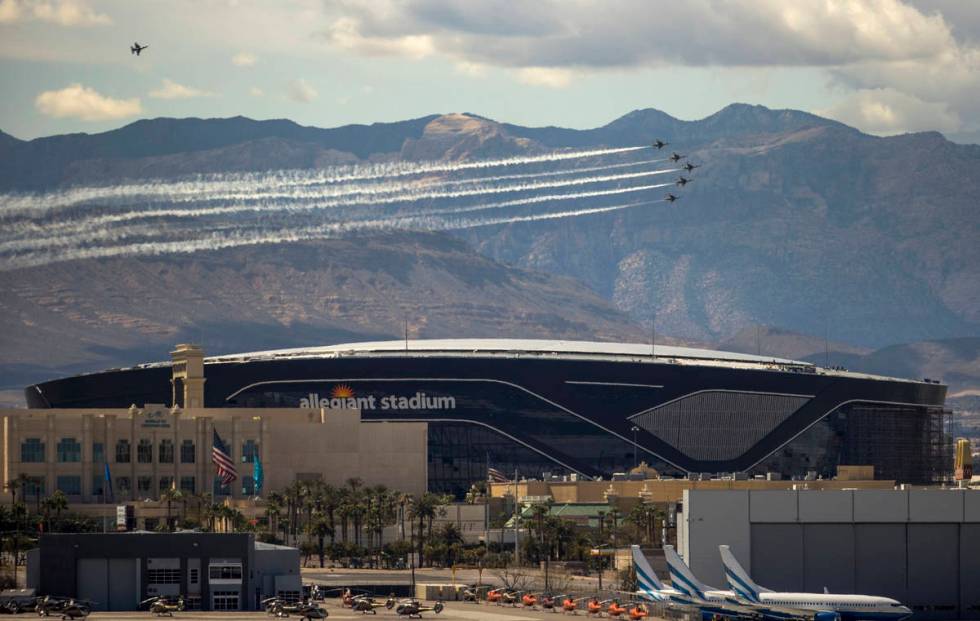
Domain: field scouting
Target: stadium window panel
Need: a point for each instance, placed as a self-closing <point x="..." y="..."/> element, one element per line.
<point x="250" y="451"/>
<point x="69" y="450"/>
<point x="187" y="455"/>
<point x="144" y="452"/>
<point x="70" y="484"/>
<point x="98" y="452"/>
<point x="32" y="451"/>
<point x="98" y="480"/>
<point x="248" y="486"/>
<point x="187" y="484"/>
<point x="165" y="483"/>
<point x="123" y="485"/>
<point x="166" y="451"/>
<point x="144" y="484"/>
<point x="122" y="452"/>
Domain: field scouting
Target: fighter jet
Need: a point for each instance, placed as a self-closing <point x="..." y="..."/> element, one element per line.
<point x="660" y="144"/>
<point x="674" y="157"/>
<point x="670" y="198"/>
<point x="682" y="181"/>
<point x="137" y="48"/>
<point x="689" y="166"/>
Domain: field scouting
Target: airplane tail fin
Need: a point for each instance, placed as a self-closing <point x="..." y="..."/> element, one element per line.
<point x="647" y="583"/>
<point x="738" y="578"/>
<point x="681" y="576"/>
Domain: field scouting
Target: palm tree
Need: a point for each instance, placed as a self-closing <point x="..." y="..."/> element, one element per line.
<point x="21" y="482"/>
<point x="424" y="509"/>
<point x="319" y="527"/>
<point x="171" y="495"/>
<point x="56" y="502"/>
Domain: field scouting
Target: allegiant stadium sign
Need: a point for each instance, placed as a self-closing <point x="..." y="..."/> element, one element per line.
<point x="342" y="397"/>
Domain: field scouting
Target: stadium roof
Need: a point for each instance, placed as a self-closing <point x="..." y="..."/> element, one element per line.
<point x="506" y="347"/>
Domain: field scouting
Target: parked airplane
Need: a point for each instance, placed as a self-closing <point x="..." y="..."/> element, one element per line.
<point x="823" y="606"/>
<point x="649" y="587"/>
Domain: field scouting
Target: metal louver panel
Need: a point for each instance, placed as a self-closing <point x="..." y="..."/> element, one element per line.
<point x="718" y="424"/>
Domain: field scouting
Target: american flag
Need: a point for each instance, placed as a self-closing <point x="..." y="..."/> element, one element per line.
<point x="497" y="476"/>
<point x="222" y="461"/>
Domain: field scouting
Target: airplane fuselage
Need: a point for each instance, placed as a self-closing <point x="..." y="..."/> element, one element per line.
<point x="849" y="607"/>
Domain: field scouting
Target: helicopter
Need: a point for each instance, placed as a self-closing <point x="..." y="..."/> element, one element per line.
<point x="414" y="608"/>
<point x="164" y="605"/>
<point x="67" y="607"/>
<point x="281" y="608"/>
<point x="365" y="604"/>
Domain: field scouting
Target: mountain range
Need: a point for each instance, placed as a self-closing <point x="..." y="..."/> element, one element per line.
<point x="793" y="221"/>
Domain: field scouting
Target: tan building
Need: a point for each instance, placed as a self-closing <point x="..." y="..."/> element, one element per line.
<point x="151" y="448"/>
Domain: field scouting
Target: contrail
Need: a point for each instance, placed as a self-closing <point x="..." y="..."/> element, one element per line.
<point x="95" y="221"/>
<point x="13" y="204"/>
<point x="228" y="239"/>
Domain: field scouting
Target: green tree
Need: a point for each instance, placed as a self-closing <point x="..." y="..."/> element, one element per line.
<point x="319" y="527"/>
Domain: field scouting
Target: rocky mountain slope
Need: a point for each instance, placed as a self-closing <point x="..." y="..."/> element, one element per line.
<point x="87" y="315"/>
<point x="793" y="221"/>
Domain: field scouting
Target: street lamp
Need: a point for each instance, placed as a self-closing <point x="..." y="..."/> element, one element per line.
<point x="634" y="430"/>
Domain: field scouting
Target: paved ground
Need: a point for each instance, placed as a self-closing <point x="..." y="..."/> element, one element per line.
<point x="455" y="611"/>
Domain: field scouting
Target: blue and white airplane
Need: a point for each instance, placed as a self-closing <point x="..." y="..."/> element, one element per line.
<point x="822" y="606"/>
<point x="649" y="587"/>
<point x="710" y="601"/>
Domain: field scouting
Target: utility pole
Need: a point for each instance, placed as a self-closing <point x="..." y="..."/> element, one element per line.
<point x="634" y="429"/>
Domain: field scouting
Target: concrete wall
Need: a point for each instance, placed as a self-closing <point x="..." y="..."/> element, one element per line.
<point x="921" y="547"/>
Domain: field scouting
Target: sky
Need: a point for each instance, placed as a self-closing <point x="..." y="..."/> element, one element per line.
<point x="884" y="66"/>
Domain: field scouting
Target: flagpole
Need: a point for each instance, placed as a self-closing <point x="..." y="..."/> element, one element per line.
<point x="517" y="530"/>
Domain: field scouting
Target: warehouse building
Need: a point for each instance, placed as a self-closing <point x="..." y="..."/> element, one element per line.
<point x="118" y="571"/>
<point x="921" y="547"/>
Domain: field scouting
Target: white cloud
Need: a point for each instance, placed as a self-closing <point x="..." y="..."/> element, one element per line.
<point x="172" y="90"/>
<point x="886" y="111"/>
<point x="82" y="102"/>
<point x="346" y="33"/>
<point x="61" y="12"/>
<point x="301" y="91"/>
<point x="255" y="91"/>
<point x="244" y="59"/>
<point x="551" y="77"/>
<point x="473" y="70"/>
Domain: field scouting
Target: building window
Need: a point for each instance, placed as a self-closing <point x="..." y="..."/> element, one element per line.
<point x="225" y="572"/>
<point x="144" y="452"/>
<point x="34" y="486"/>
<point x="143" y="485"/>
<point x="248" y="486"/>
<point x="98" y="452"/>
<point x="163" y="576"/>
<point x="250" y="451"/>
<point x="123" y="486"/>
<point x="70" y="484"/>
<point x="219" y="489"/>
<point x="195" y="575"/>
<point x="166" y="451"/>
<point x="187" y="484"/>
<point x="187" y="455"/>
<point x="166" y="483"/>
<point x="122" y="452"/>
<point x="97" y="484"/>
<point x="69" y="450"/>
<point x="224" y="600"/>
<point x="32" y="451"/>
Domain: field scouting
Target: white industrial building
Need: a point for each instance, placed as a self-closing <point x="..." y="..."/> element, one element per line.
<point x="921" y="547"/>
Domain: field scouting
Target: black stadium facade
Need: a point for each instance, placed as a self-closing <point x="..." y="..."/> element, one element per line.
<point x="575" y="407"/>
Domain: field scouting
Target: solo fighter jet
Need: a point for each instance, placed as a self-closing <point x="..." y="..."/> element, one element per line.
<point x="682" y="181"/>
<point x="689" y="166"/>
<point x="674" y="157"/>
<point x="137" y="48"/>
<point x="660" y="144"/>
<point x="670" y="198"/>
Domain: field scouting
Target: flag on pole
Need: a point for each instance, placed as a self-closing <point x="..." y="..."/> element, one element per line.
<point x="221" y="458"/>
<point x="258" y="474"/>
<point x="496" y="476"/>
<point x="107" y="486"/>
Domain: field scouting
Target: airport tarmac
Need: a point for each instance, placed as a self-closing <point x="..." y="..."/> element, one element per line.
<point x="454" y="611"/>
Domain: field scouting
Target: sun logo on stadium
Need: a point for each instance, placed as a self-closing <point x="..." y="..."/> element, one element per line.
<point x="342" y="391"/>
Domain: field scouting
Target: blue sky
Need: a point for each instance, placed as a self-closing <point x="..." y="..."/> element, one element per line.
<point x="885" y="66"/>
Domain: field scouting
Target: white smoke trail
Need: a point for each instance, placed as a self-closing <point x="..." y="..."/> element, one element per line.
<point x="104" y="220"/>
<point x="15" y="204"/>
<point x="229" y="239"/>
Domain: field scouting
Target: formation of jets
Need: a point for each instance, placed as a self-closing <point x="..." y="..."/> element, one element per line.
<point x="747" y="601"/>
<point x="137" y="48"/>
<point x="676" y="157"/>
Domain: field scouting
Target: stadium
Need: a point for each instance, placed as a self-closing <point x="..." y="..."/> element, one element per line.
<point x="565" y="407"/>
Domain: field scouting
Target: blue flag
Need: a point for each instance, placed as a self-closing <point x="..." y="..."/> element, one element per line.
<point x="257" y="475"/>
<point x="107" y="487"/>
